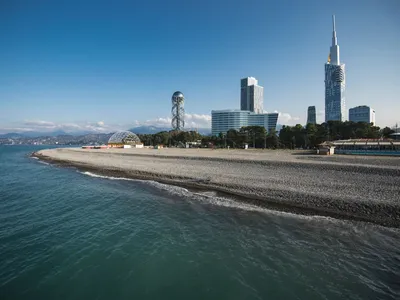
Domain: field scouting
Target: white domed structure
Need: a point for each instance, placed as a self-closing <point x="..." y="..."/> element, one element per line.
<point x="124" y="138"/>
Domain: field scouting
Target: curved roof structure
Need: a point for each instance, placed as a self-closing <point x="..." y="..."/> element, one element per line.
<point x="124" y="137"/>
<point x="363" y="142"/>
<point x="178" y="94"/>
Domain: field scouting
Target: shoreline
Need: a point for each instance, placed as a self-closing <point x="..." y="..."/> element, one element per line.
<point x="385" y="214"/>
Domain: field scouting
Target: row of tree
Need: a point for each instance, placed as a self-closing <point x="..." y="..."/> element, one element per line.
<point x="313" y="134"/>
<point x="297" y="136"/>
<point x="171" y="138"/>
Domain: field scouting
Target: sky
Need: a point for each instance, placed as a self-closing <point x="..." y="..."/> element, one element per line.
<point x="110" y="65"/>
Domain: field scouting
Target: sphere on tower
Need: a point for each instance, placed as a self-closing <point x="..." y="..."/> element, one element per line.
<point x="178" y="111"/>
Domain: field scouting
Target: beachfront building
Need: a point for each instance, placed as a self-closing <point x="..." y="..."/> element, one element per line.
<point x="224" y="120"/>
<point x="124" y="139"/>
<point x="335" y="83"/>
<point x="386" y="147"/>
<point x="395" y="136"/>
<point x="362" y="114"/>
<point x="251" y="95"/>
<point x="311" y="115"/>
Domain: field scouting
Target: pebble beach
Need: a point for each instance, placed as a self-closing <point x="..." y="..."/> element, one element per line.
<point x="348" y="187"/>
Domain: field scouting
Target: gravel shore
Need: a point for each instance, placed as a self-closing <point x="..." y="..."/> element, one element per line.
<point x="349" y="187"/>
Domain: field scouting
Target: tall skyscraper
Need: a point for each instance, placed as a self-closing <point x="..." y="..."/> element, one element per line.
<point x="362" y="114"/>
<point x="335" y="83"/>
<point x="311" y="115"/>
<point x="251" y="95"/>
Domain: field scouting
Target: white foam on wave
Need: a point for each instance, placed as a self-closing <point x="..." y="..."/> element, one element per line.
<point x="210" y="197"/>
<point x="43" y="162"/>
<point x="34" y="157"/>
<point x="106" y="177"/>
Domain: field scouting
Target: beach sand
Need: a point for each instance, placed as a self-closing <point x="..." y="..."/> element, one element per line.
<point x="349" y="187"/>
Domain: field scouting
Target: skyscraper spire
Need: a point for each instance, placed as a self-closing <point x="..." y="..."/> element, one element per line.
<point x="333" y="22"/>
<point x="334" y="51"/>
<point x="334" y="39"/>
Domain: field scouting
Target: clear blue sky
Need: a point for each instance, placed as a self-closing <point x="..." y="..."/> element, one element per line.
<point x="71" y="63"/>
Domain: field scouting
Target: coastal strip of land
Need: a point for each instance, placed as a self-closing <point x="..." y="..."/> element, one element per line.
<point x="348" y="187"/>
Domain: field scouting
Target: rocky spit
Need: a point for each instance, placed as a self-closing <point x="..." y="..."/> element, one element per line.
<point x="348" y="187"/>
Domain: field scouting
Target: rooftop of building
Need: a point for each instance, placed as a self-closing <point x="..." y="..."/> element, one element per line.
<point x="229" y="110"/>
<point x="124" y="137"/>
<point x="366" y="142"/>
<point x="242" y="111"/>
<point x="361" y="106"/>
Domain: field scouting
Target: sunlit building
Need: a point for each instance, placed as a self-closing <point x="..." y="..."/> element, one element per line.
<point x="224" y="120"/>
<point x="335" y="83"/>
<point x="362" y="114"/>
<point x="251" y="95"/>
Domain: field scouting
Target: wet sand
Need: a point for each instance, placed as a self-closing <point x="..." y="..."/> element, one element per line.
<point x="349" y="187"/>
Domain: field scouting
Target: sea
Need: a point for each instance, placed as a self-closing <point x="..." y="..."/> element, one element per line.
<point x="67" y="234"/>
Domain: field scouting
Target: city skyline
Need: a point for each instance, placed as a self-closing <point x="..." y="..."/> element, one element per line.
<point x="69" y="67"/>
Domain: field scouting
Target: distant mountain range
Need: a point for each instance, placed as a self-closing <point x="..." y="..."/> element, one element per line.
<point x="80" y="134"/>
<point x="148" y="129"/>
<point x="34" y="134"/>
<point x="154" y="129"/>
<point x="137" y="130"/>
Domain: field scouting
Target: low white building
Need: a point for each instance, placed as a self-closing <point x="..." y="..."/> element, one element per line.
<point x="362" y="114"/>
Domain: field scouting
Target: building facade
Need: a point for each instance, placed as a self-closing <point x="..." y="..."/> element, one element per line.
<point x="224" y="120"/>
<point x="251" y="95"/>
<point x="311" y="115"/>
<point x="272" y="121"/>
<point x="362" y="114"/>
<point x="335" y="83"/>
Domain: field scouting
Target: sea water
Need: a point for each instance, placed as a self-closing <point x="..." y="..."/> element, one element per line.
<point x="67" y="234"/>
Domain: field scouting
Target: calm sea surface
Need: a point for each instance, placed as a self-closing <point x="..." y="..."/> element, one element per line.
<point x="71" y="235"/>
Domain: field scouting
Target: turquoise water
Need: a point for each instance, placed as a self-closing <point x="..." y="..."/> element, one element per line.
<point x="71" y="235"/>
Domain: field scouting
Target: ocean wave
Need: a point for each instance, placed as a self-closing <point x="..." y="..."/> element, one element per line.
<point x="210" y="197"/>
<point x="106" y="177"/>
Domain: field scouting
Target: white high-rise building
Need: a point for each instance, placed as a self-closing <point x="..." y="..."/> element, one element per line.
<point x="251" y="95"/>
<point x="223" y="120"/>
<point x="362" y="114"/>
<point x="335" y="83"/>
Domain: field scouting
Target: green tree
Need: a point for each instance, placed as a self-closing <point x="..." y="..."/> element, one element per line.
<point x="314" y="134"/>
<point x="386" y="132"/>
<point x="232" y="137"/>
<point x="311" y="134"/>
<point x="254" y="135"/>
<point x="272" y="140"/>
